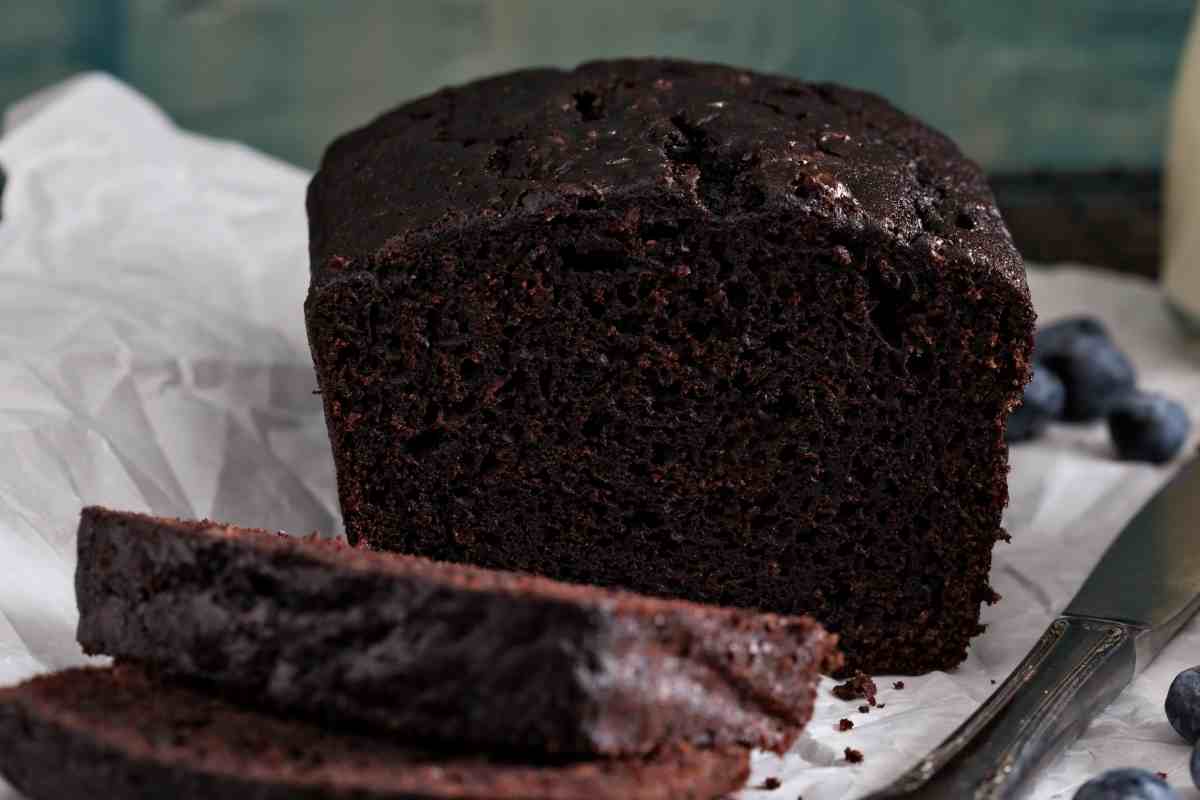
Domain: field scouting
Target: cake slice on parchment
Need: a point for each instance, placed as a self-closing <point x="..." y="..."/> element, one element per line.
<point x="680" y="328"/>
<point x="429" y="651"/>
<point x="125" y="734"/>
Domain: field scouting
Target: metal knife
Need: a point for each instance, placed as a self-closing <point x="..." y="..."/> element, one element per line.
<point x="1146" y="586"/>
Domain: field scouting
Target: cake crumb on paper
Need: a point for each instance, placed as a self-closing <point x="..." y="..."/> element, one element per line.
<point x="859" y="686"/>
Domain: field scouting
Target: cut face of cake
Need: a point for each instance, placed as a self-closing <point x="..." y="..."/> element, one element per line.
<point x="679" y="328"/>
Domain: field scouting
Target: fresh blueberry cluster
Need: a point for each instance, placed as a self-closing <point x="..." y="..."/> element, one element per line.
<point x="1080" y="375"/>
<point x="1183" y="712"/>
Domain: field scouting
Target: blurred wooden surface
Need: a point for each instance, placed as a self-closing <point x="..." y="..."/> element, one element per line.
<point x="1023" y="84"/>
<point x="1106" y="218"/>
<point x="1046" y="95"/>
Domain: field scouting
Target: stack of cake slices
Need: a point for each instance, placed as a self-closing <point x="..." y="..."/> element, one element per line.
<point x="252" y="663"/>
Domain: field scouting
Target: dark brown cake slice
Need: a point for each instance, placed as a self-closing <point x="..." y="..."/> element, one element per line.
<point x="680" y="328"/>
<point x="463" y="655"/>
<point x="121" y="734"/>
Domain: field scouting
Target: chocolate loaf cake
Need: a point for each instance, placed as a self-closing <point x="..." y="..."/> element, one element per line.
<point x="121" y="734"/>
<point x="458" y="654"/>
<point x="680" y="328"/>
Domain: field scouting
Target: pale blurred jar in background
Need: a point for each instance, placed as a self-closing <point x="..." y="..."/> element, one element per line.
<point x="1181" y="217"/>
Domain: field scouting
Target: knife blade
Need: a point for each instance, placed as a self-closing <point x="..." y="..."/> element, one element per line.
<point x="1142" y="591"/>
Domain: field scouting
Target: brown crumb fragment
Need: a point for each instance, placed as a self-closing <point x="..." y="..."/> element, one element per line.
<point x="1162" y="776"/>
<point x="864" y="709"/>
<point x="854" y="756"/>
<point x="771" y="784"/>
<point x="844" y="691"/>
<point x="859" y="686"/>
<point x="844" y="724"/>
<point x="898" y="685"/>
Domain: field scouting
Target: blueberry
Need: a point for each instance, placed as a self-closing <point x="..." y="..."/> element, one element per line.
<point x="1194" y="766"/>
<point x="1148" y="427"/>
<point x="1183" y="704"/>
<point x="1051" y="339"/>
<point x="1095" y="374"/>
<point x="1126" y="784"/>
<point x="1044" y="399"/>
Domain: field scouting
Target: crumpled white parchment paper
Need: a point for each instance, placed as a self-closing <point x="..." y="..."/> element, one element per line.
<point x="152" y="357"/>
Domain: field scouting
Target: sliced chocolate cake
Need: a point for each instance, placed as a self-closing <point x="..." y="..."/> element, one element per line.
<point x="679" y="328"/>
<point x="121" y="734"/>
<point x="467" y="656"/>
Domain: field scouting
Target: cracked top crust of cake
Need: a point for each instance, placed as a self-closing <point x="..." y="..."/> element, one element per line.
<point x="721" y="141"/>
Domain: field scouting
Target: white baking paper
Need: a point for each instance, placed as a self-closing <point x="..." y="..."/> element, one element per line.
<point x="152" y="357"/>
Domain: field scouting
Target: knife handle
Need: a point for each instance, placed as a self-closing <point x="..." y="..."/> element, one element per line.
<point x="1074" y="671"/>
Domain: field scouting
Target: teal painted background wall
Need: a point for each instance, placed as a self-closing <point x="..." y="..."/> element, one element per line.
<point x="1021" y="84"/>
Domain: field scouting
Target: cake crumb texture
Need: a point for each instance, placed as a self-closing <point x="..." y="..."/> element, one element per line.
<point x="680" y="328"/>
<point x="125" y="734"/>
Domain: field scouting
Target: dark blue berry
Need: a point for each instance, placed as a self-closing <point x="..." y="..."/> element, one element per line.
<point x="1051" y="339"/>
<point x="1194" y="766"/>
<point x="1183" y="704"/>
<point x="1095" y="373"/>
<point x="1148" y="427"/>
<point x="1044" y="399"/>
<point x="1126" y="784"/>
